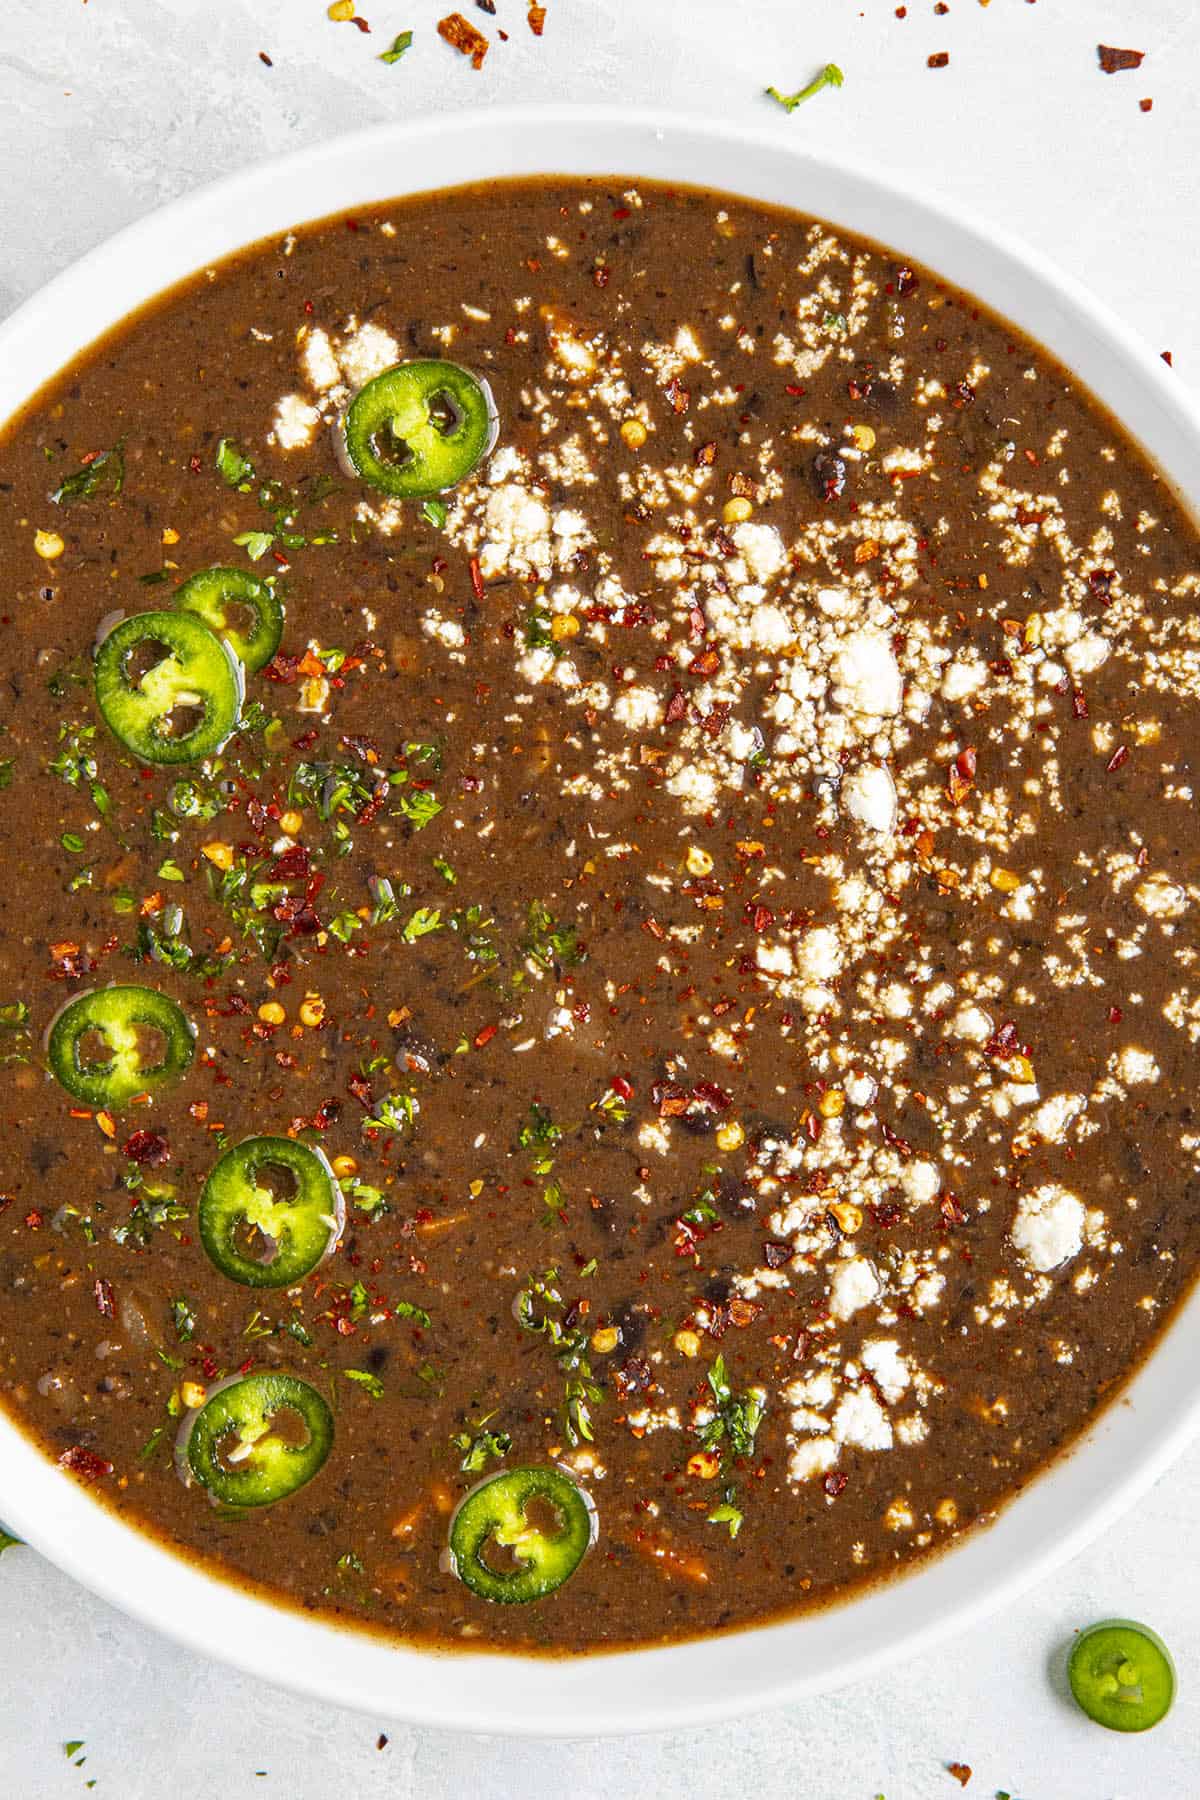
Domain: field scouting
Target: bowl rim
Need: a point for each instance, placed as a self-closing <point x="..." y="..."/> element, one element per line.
<point x="699" y="1681"/>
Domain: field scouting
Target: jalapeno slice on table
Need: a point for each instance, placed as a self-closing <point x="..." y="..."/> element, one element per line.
<point x="256" y="1439"/>
<point x="520" y="1534"/>
<point x="240" y="607"/>
<point x="1122" y="1675"/>
<point x="419" y="428"/>
<point x="115" y="1042"/>
<point x="167" y="686"/>
<point x="270" y="1211"/>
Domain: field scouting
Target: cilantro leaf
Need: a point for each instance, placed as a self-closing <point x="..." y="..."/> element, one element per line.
<point x="830" y="76"/>
<point x="366" y="1380"/>
<point x="105" y="470"/>
<point x="400" y="44"/>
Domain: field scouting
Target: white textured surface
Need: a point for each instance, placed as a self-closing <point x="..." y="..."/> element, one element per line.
<point x="108" y="107"/>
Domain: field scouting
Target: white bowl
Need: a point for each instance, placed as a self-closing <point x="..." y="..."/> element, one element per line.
<point x="1132" y="1443"/>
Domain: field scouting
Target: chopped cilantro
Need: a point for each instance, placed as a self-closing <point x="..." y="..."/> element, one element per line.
<point x="395" y="1112"/>
<point x="6" y="771"/>
<point x="434" y="511"/>
<point x="368" y="1199"/>
<point x="404" y="1309"/>
<point x="444" y="870"/>
<point x="422" y="922"/>
<point x="255" y="543"/>
<point x="169" y="870"/>
<point x="540" y="1309"/>
<point x="233" y="467"/>
<point x="539" y="1130"/>
<point x="547" y="942"/>
<point x="419" y="806"/>
<point x="481" y="1449"/>
<point x="107" y="470"/>
<point x="726" y="1513"/>
<point x="830" y="76"/>
<point x="183" y="1317"/>
<point x="365" y="1379"/>
<point x="6" y="1539"/>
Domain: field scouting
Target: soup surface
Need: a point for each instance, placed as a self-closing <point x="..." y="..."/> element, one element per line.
<point x="702" y="912"/>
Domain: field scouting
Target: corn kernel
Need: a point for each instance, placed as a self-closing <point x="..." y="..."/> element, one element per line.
<point x="312" y="1010"/>
<point x="737" y="510"/>
<point x="832" y="1103"/>
<point x="343" y="1166"/>
<point x="687" y="1343"/>
<point x="341" y="11"/>
<point x="291" y="823"/>
<point x="48" y="545"/>
<point x="699" y="862"/>
<point x="271" y="1013"/>
<point x="848" y="1216"/>
<point x="706" y="1464"/>
<point x="633" y="434"/>
<point x="475" y="1188"/>
<point x="864" y="437"/>
<point x="107" y="1124"/>
<point x="1005" y="881"/>
<point x="564" y="625"/>
<point x="192" y="1393"/>
<point x="218" y="853"/>
<point x="730" y="1136"/>
<point x="605" y="1340"/>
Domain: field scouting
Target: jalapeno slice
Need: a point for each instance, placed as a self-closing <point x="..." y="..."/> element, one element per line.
<point x="270" y="1211"/>
<point x="419" y="428"/>
<point x="256" y="1439"/>
<point x="520" y="1534"/>
<point x="238" y="606"/>
<point x="115" y="1042"/>
<point x="167" y="687"/>
<point x="1122" y="1675"/>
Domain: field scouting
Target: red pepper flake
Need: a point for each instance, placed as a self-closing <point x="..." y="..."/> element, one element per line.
<point x="622" y="1088"/>
<point x="1145" y="105"/>
<point x="477" y="586"/>
<point x="1079" y="705"/>
<point x="1112" y="60"/>
<point x="835" y="1483"/>
<point x="1119" y="756"/>
<point x="362" y="26"/>
<point x="1115" y="1015"/>
<point x="939" y="60"/>
<point x="85" y="1463"/>
<point x="679" y="396"/>
<point x="960" y="777"/>
<point x="485" y="1035"/>
<point x="461" y="35"/>
<point x="1167" y="358"/>
<point x="149" y="1149"/>
<point x="34" y="1220"/>
<point x="961" y="1771"/>
<point x="537" y="20"/>
<point x="264" y="58"/>
<point x="705" y="456"/>
<point x="104" y="1297"/>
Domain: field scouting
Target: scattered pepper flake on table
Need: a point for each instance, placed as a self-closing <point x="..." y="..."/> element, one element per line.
<point x="1112" y="61"/>
<point x="537" y="20"/>
<point x="830" y="76"/>
<point x="960" y="1771"/>
<point x="939" y="60"/>
<point x="461" y="35"/>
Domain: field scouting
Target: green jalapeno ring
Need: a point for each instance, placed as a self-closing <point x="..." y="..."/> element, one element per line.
<point x="255" y="1439"/>
<point x="261" y="1238"/>
<point x="214" y="595"/>
<point x="199" y="677"/>
<point x="418" y="428"/>
<point x="1122" y="1675"/>
<point x="494" y="1514"/>
<point x="118" y="1019"/>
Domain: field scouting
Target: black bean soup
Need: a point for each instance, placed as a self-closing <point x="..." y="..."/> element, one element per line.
<point x="598" y="963"/>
